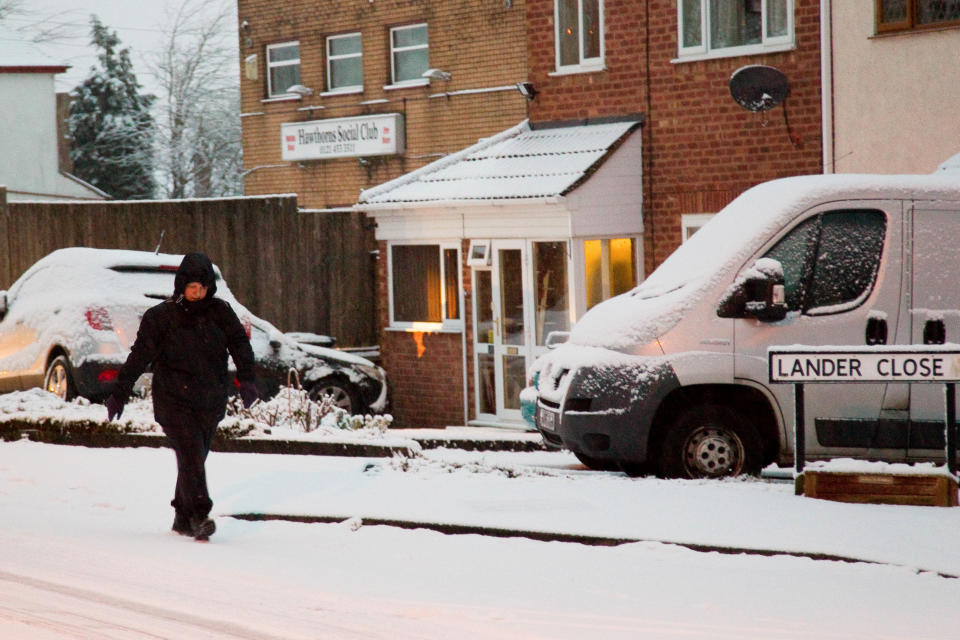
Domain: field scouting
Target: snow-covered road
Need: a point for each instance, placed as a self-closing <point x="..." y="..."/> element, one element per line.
<point x="87" y="553"/>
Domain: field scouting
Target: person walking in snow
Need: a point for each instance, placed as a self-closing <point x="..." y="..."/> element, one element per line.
<point x="186" y="339"/>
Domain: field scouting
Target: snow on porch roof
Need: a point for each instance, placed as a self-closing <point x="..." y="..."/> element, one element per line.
<point x="521" y="163"/>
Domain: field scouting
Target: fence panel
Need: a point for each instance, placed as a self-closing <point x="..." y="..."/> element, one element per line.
<point x="302" y="271"/>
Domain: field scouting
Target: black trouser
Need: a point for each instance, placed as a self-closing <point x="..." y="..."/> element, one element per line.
<point x="190" y="433"/>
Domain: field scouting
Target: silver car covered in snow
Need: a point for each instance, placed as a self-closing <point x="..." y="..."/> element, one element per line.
<point x="68" y="322"/>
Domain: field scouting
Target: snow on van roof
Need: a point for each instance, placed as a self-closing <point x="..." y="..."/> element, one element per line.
<point x="727" y="241"/>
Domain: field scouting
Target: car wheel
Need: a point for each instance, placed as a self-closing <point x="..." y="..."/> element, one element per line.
<point x="341" y="393"/>
<point x="58" y="379"/>
<point x="709" y="441"/>
<point x="595" y="463"/>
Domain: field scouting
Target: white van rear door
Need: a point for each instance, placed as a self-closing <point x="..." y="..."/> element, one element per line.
<point x="934" y="314"/>
<point x="842" y="270"/>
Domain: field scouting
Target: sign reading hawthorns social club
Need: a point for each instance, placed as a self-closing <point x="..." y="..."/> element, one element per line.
<point x="373" y="135"/>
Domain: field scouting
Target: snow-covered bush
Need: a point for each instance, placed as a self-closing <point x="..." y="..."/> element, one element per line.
<point x="293" y="409"/>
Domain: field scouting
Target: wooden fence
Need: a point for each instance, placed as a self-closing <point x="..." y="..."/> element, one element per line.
<point x="302" y="271"/>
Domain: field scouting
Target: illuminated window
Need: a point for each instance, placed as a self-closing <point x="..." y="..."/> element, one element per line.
<point x="611" y="268"/>
<point x="425" y="283"/>
<point x="579" y="33"/>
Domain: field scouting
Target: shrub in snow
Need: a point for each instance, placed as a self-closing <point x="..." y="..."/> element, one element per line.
<point x="293" y="409"/>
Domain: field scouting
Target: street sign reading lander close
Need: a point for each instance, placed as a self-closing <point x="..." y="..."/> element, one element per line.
<point x="917" y="363"/>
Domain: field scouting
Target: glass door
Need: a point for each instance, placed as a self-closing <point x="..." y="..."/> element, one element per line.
<point x="517" y="303"/>
<point x="510" y="344"/>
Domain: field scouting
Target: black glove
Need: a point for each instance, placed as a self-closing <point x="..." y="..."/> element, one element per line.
<point x="114" y="408"/>
<point x="248" y="393"/>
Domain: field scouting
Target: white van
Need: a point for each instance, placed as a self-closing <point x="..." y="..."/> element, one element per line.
<point x="672" y="377"/>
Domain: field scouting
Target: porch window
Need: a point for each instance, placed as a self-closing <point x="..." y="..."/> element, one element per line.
<point x="550" y="288"/>
<point x="425" y="284"/>
<point x="579" y="34"/>
<point x="283" y="68"/>
<point x="908" y="15"/>
<point x="733" y="27"/>
<point x="611" y="268"/>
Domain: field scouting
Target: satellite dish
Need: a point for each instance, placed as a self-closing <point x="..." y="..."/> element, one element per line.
<point x="757" y="87"/>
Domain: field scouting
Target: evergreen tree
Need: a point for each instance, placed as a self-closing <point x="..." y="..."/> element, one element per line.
<point x="111" y="127"/>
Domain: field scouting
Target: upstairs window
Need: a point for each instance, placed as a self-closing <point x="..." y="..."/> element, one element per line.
<point x="283" y="68"/>
<point x="409" y="54"/>
<point x="579" y="34"/>
<point x="733" y="27"/>
<point x="344" y="63"/>
<point x="909" y="15"/>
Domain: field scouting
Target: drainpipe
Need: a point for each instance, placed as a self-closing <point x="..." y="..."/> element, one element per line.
<point x="826" y="82"/>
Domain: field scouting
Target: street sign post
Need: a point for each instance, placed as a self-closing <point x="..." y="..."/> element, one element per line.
<point x="916" y="364"/>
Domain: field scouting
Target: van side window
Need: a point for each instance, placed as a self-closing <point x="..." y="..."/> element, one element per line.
<point x="830" y="259"/>
<point x="795" y="252"/>
<point x="848" y="256"/>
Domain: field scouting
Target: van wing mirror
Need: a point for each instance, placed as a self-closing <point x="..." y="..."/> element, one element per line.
<point x="555" y="338"/>
<point x="758" y="293"/>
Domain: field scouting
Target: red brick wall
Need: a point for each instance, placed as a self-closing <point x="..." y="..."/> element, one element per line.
<point x="701" y="149"/>
<point x="425" y="369"/>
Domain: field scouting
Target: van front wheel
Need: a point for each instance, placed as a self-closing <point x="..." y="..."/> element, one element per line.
<point x="709" y="441"/>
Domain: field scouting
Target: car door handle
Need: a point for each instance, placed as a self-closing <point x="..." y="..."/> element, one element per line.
<point x="876" y="331"/>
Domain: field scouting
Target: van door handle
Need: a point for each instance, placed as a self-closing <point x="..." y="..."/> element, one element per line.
<point x="876" y="331"/>
<point x="934" y="332"/>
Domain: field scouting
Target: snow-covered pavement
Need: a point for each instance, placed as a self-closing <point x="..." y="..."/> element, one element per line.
<point x="87" y="553"/>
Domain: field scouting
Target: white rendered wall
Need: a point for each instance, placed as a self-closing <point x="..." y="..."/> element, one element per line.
<point x="896" y="97"/>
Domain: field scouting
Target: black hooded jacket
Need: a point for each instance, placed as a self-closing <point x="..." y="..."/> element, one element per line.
<point x="187" y="343"/>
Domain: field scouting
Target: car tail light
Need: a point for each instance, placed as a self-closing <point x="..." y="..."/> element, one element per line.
<point x="99" y="318"/>
<point x="247" y="327"/>
<point x="107" y="375"/>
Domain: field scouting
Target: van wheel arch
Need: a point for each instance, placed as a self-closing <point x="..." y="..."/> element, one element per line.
<point x="748" y="402"/>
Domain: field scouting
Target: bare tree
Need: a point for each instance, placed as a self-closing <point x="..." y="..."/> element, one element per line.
<point x="198" y="118"/>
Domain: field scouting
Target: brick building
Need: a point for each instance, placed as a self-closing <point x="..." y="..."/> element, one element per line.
<point x="638" y="90"/>
<point x="346" y="59"/>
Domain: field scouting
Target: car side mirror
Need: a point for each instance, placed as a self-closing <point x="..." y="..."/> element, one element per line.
<point x="758" y="293"/>
<point x="3" y="304"/>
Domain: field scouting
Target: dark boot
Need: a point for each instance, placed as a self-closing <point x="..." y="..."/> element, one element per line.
<point x="181" y="525"/>
<point x="202" y="528"/>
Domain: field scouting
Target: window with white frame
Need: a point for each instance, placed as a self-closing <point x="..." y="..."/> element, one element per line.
<point x="283" y="68"/>
<point x="610" y="267"/>
<point x="579" y="34"/>
<point x="425" y="284"/>
<point x="344" y="63"/>
<point x="409" y="54"/>
<point x="690" y="223"/>
<point x="733" y="27"/>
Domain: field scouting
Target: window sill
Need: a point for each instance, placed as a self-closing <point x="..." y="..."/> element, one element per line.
<point x="733" y="52"/>
<point x="290" y="98"/>
<point x="347" y="91"/>
<point x="426" y="327"/>
<point x="407" y="85"/>
<point x="583" y="68"/>
<point x="890" y="33"/>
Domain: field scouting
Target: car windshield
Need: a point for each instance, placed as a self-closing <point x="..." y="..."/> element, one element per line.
<point x="152" y="281"/>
